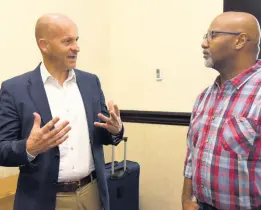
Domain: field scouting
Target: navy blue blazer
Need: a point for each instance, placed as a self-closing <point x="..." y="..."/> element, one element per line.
<point x="19" y="98"/>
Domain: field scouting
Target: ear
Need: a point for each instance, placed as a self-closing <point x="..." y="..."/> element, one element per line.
<point x="43" y="45"/>
<point x="241" y="41"/>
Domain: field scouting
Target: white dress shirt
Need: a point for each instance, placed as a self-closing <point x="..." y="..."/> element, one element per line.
<point x="76" y="159"/>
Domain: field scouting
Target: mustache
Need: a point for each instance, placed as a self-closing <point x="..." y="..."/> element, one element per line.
<point x="206" y="52"/>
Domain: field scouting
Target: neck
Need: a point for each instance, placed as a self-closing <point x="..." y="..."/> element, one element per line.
<point x="57" y="72"/>
<point x="231" y="69"/>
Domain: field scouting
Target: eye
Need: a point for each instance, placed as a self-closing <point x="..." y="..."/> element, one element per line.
<point x="213" y="34"/>
<point x="67" y="41"/>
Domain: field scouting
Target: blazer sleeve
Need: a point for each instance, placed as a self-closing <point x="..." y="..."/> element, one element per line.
<point x="105" y="136"/>
<point x="12" y="148"/>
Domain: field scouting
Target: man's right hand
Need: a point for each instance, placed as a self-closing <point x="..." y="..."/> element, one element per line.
<point x="43" y="139"/>
<point x="190" y="204"/>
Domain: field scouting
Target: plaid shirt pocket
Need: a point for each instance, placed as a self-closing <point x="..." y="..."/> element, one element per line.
<point x="239" y="134"/>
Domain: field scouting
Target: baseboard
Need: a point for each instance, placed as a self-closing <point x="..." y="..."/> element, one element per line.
<point x="156" y="117"/>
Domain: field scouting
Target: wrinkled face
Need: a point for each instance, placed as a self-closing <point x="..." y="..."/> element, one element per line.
<point x="218" y="46"/>
<point x="62" y="48"/>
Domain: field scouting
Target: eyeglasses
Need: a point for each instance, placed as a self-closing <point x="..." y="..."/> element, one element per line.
<point x="211" y="34"/>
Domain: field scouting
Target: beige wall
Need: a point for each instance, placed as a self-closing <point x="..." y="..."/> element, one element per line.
<point x="124" y="42"/>
<point x="146" y="35"/>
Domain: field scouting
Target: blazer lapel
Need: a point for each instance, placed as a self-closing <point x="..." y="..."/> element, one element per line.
<point x="86" y="93"/>
<point x="37" y="92"/>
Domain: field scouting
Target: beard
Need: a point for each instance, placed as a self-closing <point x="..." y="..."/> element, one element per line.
<point x="209" y="62"/>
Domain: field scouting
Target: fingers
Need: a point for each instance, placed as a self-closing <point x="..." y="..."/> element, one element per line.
<point x="110" y="123"/>
<point x="113" y="108"/>
<point x="60" y="134"/>
<point x="50" y="125"/>
<point x="117" y="112"/>
<point x="57" y="130"/>
<point x="110" y="120"/>
<point x="101" y="125"/>
<point x="113" y="117"/>
<point x="58" y="142"/>
<point x="110" y="106"/>
<point x="37" y="121"/>
<point x="44" y="138"/>
<point x="111" y="128"/>
<point x="59" y="138"/>
<point x="104" y="118"/>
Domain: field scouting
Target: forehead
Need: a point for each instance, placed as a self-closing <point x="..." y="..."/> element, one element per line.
<point x="65" y="30"/>
<point x="223" y="23"/>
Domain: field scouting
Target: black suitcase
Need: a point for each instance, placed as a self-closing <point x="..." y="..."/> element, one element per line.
<point x="123" y="183"/>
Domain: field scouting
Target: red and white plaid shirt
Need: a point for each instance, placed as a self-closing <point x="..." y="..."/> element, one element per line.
<point x="224" y="143"/>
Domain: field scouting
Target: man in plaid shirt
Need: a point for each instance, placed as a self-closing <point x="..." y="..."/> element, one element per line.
<point x="222" y="166"/>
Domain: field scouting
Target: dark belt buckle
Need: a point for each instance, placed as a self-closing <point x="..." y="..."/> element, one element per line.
<point x="71" y="186"/>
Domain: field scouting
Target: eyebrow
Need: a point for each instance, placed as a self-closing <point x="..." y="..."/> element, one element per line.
<point x="225" y="32"/>
<point x="70" y="38"/>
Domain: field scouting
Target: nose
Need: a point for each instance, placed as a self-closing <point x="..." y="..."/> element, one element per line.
<point x="76" y="47"/>
<point x="204" y="44"/>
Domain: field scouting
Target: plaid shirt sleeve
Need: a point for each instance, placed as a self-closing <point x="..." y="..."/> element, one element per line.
<point x="188" y="162"/>
<point x="189" y="152"/>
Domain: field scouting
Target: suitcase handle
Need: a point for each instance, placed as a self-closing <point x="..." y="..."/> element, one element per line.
<point x="113" y="156"/>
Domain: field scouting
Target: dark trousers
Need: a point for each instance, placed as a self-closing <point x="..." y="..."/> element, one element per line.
<point x="205" y="206"/>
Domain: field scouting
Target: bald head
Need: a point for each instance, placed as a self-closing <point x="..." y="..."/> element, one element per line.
<point x="238" y="22"/>
<point x="49" y="25"/>
<point x="57" y="37"/>
<point x="232" y="43"/>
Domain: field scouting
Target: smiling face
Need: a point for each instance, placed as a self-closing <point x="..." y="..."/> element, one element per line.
<point x="63" y="49"/>
<point x="59" y="47"/>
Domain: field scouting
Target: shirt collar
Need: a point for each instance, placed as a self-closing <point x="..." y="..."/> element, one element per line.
<point x="242" y="78"/>
<point x="46" y="75"/>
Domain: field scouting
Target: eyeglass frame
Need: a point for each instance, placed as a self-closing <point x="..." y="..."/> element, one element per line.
<point x="211" y="34"/>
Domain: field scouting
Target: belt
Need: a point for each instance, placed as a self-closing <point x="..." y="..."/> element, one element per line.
<point x="72" y="186"/>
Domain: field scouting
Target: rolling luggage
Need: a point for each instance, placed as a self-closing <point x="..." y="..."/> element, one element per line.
<point x="123" y="182"/>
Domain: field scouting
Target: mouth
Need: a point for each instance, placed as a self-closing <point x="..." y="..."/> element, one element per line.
<point x="72" y="57"/>
<point x="205" y="55"/>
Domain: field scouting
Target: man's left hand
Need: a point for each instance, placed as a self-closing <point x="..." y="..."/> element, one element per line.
<point x="113" y="123"/>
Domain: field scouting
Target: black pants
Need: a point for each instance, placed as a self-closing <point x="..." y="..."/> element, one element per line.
<point x="205" y="206"/>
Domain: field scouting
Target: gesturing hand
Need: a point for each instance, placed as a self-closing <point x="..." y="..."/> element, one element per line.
<point x="43" y="139"/>
<point x="113" y="123"/>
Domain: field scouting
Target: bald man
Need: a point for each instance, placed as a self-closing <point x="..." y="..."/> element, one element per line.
<point x="222" y="166"/>
<point x="53" y="124"/>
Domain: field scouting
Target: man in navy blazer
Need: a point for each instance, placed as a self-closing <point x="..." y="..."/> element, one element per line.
<point x="53" y="125"/>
